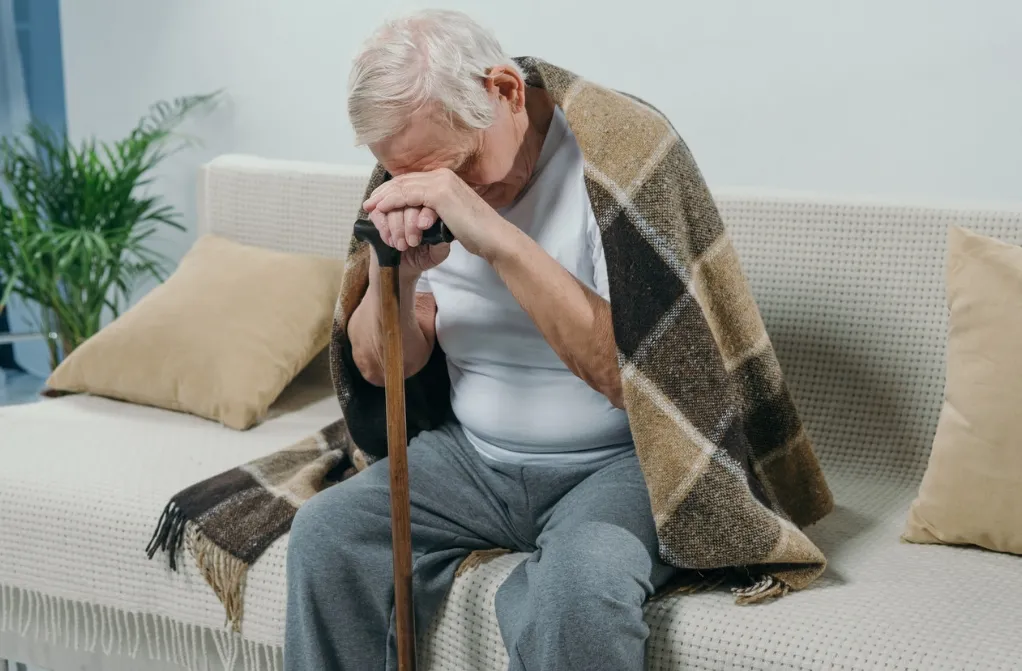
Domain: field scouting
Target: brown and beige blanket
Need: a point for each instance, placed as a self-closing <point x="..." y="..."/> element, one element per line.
<point x="731" y="472"/>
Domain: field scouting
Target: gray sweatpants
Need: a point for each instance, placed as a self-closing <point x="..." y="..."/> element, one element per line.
<point x="575" y="603"/>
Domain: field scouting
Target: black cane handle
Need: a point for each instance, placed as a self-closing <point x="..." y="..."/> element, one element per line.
<point x="436" y="234"/>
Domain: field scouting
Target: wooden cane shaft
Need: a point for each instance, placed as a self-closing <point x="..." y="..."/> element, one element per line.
<point x="397" y="443"/>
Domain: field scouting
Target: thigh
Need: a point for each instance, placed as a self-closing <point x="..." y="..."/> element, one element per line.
<point x="452" y="500"/>
<point x="608" y="516"/>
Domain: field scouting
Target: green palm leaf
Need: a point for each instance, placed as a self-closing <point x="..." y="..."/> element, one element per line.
<point x="77" y="230"/>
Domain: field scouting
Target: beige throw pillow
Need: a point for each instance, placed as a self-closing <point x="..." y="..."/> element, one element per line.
<point x="221" y="338"/>
<point x="972" y="490"/>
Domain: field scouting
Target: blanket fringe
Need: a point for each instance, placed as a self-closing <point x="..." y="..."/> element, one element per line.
<point x="477" y="559"/>
<point x="224" y="572"/>
<point x="95" y="629"/>
<point x="766" y="587"/>
<point x="759" y="589"/>
<point x="169" y="534"/>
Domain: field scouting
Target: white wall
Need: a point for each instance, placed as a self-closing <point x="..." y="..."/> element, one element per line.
<point x="910" y="98"/>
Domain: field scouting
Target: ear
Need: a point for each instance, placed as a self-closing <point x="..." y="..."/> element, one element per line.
<point x="508" y="85"/>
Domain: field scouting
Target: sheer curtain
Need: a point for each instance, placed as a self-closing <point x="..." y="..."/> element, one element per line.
<point x="14" y="112"/>
<point x="14" y="115"/>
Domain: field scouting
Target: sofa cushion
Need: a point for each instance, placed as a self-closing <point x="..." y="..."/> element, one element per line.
<point x="972" y="490"/>
<point x="220" y="339"/>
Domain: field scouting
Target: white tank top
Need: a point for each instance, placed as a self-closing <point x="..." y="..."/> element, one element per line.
<point x="514" y="397"/>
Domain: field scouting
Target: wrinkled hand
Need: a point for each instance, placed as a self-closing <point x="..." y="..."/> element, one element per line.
<point x="405" y="206"/>
<point x="415" y="259"/>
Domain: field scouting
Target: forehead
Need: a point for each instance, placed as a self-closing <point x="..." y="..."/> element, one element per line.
<point x="425" y="143"/>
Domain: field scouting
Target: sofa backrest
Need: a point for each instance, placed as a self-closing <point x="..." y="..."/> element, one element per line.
<point x="851" y="290"/>
<point x="852" y="294"/>
<point x="292" y="206"/>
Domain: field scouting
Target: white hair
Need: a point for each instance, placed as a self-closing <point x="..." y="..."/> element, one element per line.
<point x="430" y="56"/>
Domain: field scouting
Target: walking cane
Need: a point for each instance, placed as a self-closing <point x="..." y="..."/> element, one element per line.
<point x="397" y="442"/>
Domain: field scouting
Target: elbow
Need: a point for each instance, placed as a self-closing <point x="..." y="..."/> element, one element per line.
<point x="368" y="365"/>
<point x="604" y="377"/>
<point x="414" y="366"/>
<point x="369" y="362"/>
<point x="614" y="393"/>
<point x="364" y="353"/>
<point x="607" y="383"/>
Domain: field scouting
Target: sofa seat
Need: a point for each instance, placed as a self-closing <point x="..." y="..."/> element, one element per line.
<point x="882" y="604"/>
<point x="82" y="484"/>
<point x="69" y="541"/>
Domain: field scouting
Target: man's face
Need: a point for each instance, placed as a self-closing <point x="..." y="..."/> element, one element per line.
<point x="484" y="159"/>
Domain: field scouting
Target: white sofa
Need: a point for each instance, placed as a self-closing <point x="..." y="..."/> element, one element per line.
<point x="853" y="296"/>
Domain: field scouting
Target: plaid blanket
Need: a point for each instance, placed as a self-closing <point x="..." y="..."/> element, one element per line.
<point x="731" y="472"/>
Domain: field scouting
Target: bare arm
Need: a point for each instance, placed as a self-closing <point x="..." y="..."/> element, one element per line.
<point x="575" y="321"/>
<point x="418" y="327"/>
<point x="572" y="318"/>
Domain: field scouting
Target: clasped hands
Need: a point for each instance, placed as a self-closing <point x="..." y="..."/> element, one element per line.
<point x="405" y="206"/>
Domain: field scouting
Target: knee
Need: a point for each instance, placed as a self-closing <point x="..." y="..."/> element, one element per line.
<point x="597" y="562"/>
<point x="332" y="524"/>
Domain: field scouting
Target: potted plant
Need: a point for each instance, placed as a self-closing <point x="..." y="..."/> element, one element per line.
<point x="77" y="225"/>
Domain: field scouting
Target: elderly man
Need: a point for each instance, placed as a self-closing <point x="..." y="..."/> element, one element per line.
<point x="543" y="421"/>
<point x="538" y="454"/>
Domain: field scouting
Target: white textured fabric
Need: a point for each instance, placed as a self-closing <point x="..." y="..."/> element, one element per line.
<point x="291" y="206"/>
<point x="516" y="399"/>
<point x="852" y="293"/>
<point x="82" y="483"/>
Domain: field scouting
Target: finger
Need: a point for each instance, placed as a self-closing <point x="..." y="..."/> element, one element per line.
<point x="401" y="197"/>
<point x="412" y="234"/>
<point x="370" y="203"/>
<point x="396" y="223"/>
<point x="427" y="217"/>
<point x="379" y="220"/>
<point x="380" y="192"/>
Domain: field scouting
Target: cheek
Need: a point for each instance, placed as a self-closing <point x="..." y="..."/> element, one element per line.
<point x="494" y="167"/>
<point x="497" y="155"/>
